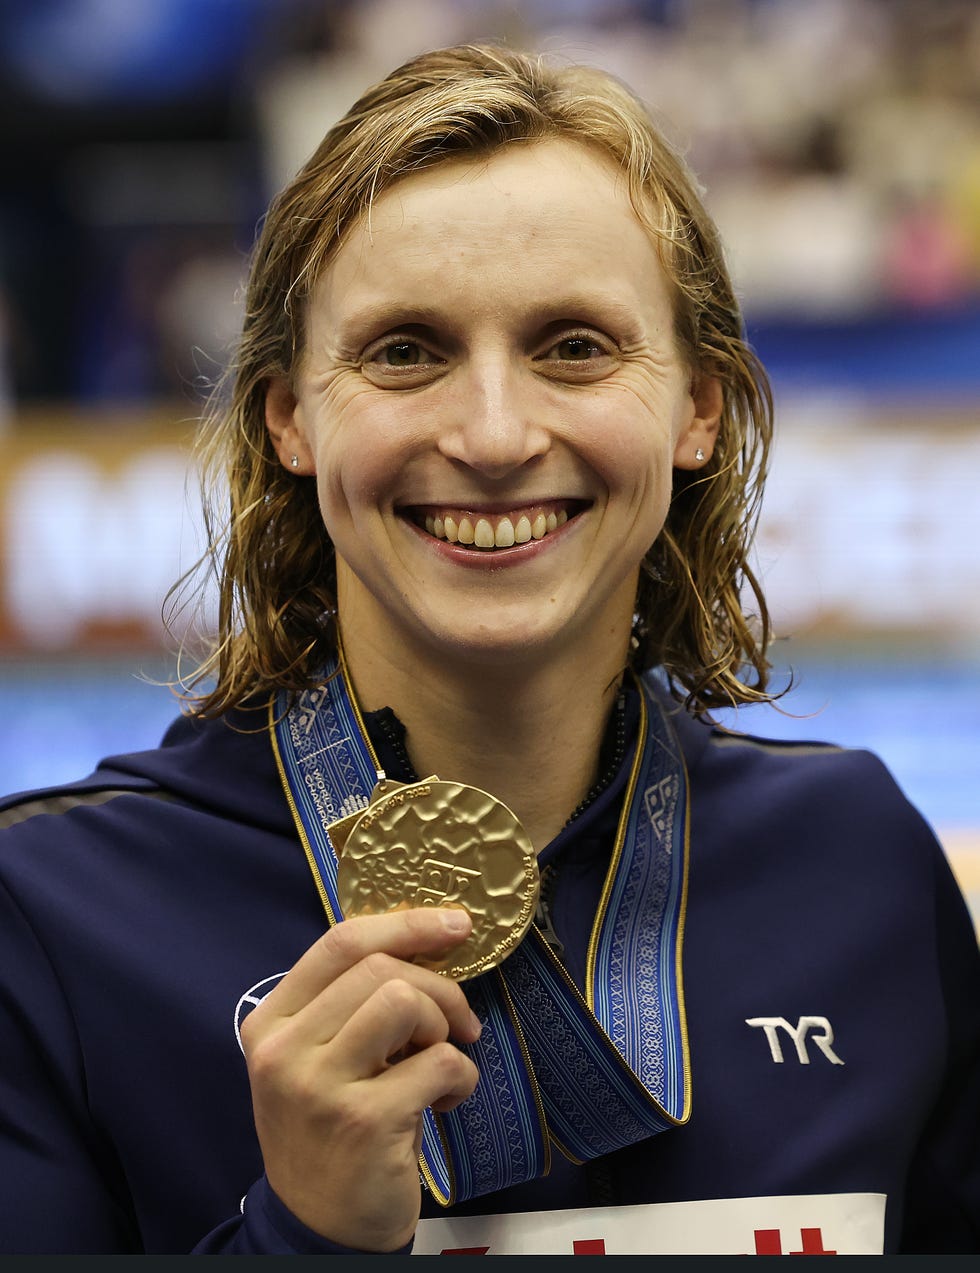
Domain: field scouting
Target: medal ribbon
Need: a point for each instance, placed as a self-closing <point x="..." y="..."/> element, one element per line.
<point x="591" y="1073"/>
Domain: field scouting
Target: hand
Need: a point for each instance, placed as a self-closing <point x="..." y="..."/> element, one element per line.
<point x="343" y="1056"/>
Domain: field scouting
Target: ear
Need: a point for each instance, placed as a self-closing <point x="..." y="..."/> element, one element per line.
<point x="696" y="443"/>
<point x="283" y="420"/>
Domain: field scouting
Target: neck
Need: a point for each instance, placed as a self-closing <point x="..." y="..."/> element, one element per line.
<point x="530" y="736"/>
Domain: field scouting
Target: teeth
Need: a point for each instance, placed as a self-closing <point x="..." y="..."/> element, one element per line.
<point x="485" y="535"/>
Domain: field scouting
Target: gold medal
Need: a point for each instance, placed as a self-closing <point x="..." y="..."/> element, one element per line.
<point x="434" y="843"/>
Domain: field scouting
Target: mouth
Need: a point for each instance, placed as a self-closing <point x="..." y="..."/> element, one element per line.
<point x="486" y="531"/>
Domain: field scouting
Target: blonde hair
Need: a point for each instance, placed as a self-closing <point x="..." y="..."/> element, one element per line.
<point x="273" y="557"/>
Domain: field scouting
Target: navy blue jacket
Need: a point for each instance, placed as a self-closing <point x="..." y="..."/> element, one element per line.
<point x="143" y="908"/>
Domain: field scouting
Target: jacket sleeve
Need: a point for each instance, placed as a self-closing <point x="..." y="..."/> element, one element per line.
<point x="266" y="1227"/>
<point x="942" y="1206"/>
<point x="62" y="1189"/>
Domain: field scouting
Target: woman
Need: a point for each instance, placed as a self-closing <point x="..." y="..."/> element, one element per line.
<point x="494" y="444"/>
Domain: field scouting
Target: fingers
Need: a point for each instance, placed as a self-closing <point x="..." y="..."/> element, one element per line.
<point x="343" y="1056"/>
<point x="335" y="1005"/>
<point x="441" y="1076"/>
<point x="397" y="1018"/>
<point x="371" y="945"/>
<point x="437" y="1074"/>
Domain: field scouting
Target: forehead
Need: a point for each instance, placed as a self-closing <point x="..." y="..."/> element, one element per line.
<point x="539" y="176"/>
<point x="526" y="216"/>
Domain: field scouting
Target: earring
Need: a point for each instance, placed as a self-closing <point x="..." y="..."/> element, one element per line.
<point x="295" y="461"/>
<point x="698" y="455"/>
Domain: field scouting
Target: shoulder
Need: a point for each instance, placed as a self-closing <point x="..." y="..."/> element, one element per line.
<point x="193" y="827"/>
<point x="791" y="768"/>
<point x="795" y="768"/>
<point x="806" y="806"/>
<point x="717" y="753"/>
<point x="98" y="788"/>
<point x="847" y="786"/>
<point x="224" y="766"/>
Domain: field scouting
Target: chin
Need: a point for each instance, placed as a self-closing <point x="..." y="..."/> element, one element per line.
<point x="505" y="645"/>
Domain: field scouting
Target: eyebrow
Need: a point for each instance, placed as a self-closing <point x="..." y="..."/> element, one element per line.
<point x="389" y="314"/>
<point x="587" y="307"/>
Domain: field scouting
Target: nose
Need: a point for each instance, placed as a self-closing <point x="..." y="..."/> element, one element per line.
<point x="494" y="428"/>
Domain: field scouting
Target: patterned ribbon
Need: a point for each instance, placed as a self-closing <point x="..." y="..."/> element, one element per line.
<point x="590" y="1074"/>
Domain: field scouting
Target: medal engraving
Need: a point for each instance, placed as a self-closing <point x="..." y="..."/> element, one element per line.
<point x="434" y="843"/>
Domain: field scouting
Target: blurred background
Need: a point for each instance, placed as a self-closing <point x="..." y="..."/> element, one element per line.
<point x="839" y="145"/>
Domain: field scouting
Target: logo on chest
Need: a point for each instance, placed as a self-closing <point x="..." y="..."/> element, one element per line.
<point x="815" y="1030"/>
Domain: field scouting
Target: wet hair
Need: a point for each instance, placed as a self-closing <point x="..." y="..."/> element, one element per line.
<point x="700" y="613"/>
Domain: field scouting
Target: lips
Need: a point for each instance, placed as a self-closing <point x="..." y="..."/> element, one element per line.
<point x="486" y="531"/>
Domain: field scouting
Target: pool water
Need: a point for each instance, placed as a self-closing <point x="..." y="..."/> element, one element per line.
<point x="920" y="713"/>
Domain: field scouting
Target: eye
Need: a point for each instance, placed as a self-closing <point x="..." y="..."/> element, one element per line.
<point x="577" y="356"/>
<point x="399" y="361"/>
<point x="576" y="349"/>
<point x="406" y="353"/>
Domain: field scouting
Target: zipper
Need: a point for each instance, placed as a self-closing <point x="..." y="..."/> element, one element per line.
<point x="616" y="756"/>
<point x="542" y="914"/>
<point x="385" y="724"/>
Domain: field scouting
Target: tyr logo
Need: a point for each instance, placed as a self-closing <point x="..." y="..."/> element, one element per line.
<point x="824" y="1039"/>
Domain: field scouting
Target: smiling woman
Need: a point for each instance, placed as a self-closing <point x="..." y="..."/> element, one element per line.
<point x="496" y="400"/>
<point x="458" y="185"/>
<point x="494" y="443"/>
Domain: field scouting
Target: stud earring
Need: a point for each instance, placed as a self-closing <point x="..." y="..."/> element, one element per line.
<point x="698" y="455"/>
<point x="295" y="461"/>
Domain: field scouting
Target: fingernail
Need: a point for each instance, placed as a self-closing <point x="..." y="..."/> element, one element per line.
<point x="476" y="1024"/>
<point x="455" y="921"/>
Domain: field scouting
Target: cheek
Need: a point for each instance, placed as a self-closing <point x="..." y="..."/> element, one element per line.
<point x="351" y="460"/>
<point x="346" y="489"/>
<point x="638" y="472"/>
<point x="632" y="447"/>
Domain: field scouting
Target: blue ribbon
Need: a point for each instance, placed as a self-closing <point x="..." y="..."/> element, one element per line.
<point x="591" y="1073"/>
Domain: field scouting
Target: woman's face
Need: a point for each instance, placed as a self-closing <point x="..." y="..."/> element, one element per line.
<point x="492" y="401"/>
